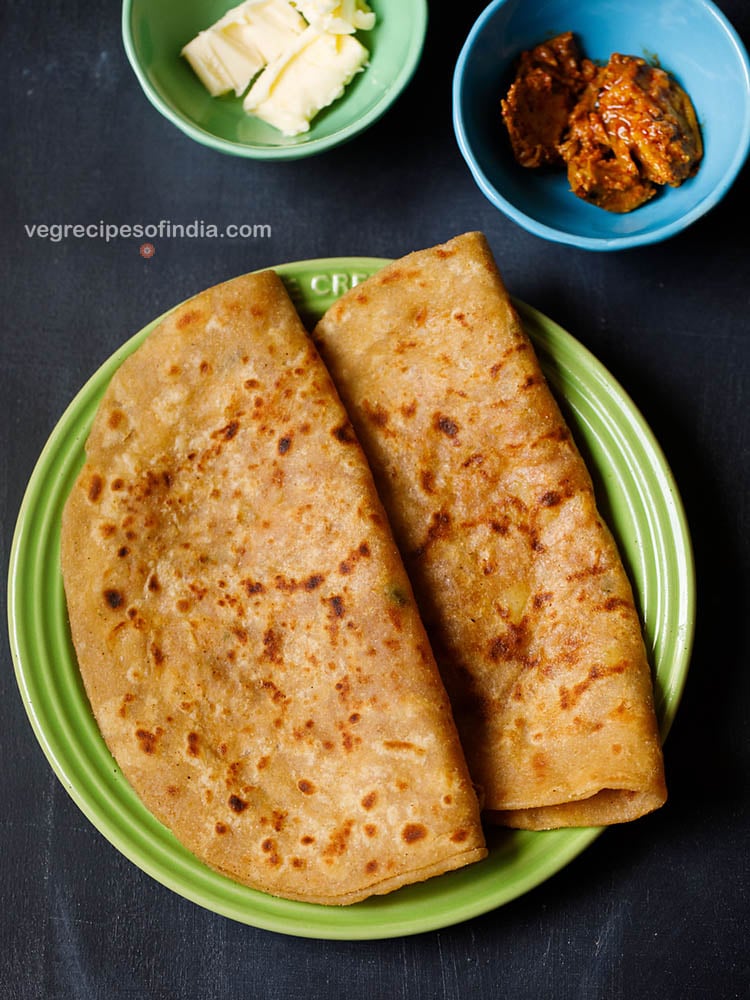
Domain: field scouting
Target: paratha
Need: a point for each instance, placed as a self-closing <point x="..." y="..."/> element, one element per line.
<point x="523" y="592"/>
<point x="245" y="629"/>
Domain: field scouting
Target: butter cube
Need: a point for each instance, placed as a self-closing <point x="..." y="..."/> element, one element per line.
<point x="307" y="77"/>
<point x="296" y="56"/>
<point x="341" y="17"/>
<point x="229" y="54"/>
<point x="241" y="61"/>
<point x="207" y="66"/>
<point x="268" y="26"/>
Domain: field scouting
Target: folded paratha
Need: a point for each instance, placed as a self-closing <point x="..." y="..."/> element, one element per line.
<point x="246" y="632"/>
<point x="528" y="608"/>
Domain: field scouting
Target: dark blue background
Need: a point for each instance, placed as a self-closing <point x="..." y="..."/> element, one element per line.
<point x="654" y="909"/>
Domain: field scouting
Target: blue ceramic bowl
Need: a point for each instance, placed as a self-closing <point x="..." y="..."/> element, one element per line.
<point x="691" y="39"/>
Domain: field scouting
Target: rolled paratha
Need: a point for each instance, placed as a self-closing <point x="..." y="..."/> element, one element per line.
<point x="521" y="587"/>
<point x="245" y="629"/>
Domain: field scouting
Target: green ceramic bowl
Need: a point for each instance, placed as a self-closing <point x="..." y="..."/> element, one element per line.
<point x="154" y="32"/>
<point x="637" y="495"/>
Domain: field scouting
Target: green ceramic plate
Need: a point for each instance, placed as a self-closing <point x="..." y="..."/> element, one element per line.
<point x="154" y="32"/>
<point x="638" y="496"/>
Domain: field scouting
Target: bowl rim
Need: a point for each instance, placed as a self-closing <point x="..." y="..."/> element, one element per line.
<point x="292" y="151"/>
<point x="655" y="235"/>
